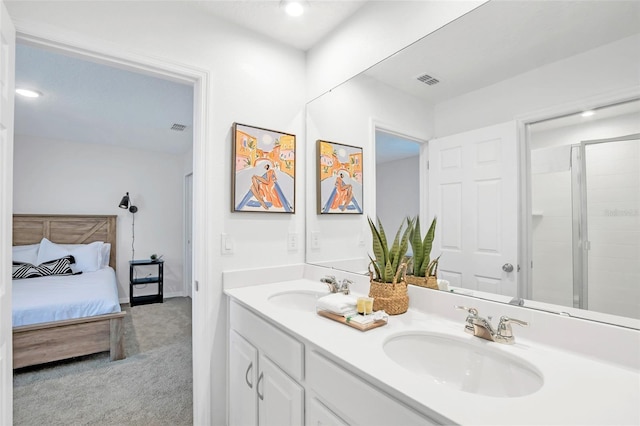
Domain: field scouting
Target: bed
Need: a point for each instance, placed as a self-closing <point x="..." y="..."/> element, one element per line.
<point x="56" y="339"/>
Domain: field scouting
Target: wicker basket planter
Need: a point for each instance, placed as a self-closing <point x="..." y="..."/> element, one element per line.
<point x="428" y="282"/>
<point x="392" y="298"/>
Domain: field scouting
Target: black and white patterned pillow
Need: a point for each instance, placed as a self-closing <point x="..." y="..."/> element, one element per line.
<point x="60" y="266"/>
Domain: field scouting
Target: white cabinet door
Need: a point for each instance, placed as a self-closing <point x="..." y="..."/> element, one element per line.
<point x="7" y="67"/>
<point x="280" y="398"/>
<point x="473" y="185"/>
<point x="319" y="415"/>
<point x="243" y="369"/>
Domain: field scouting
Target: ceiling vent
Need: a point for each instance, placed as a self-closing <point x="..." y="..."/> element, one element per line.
<point x="427" y="79"/>
<point x="178" y="127"/>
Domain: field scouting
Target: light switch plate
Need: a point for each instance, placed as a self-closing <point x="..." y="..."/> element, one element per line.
<point x="292" y="241"/>
<point x="315" y="239"/>
<point x="226" y="244"/>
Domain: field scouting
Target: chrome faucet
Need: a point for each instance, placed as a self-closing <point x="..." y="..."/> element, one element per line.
<point x="335" y="286"/>
<point x="481" y="327"/>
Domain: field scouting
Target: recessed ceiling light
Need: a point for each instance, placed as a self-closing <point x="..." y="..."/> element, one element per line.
<point x="588" y="113"/>
<point x="28" y="93"/>
<point x="293" y="8"/>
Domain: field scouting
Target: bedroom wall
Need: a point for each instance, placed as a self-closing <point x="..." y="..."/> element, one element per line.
<point x="74" y="178"/>
<point x="252" y="80"/>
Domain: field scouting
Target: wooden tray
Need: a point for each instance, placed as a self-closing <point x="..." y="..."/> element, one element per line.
<point x="356" y="325"/>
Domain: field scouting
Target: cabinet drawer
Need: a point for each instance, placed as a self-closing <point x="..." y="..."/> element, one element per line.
<point x="353" y="399"/>
<point x="281" y="348"/>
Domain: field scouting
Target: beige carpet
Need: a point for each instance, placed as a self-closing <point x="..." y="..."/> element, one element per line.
<point x="152" y="386"/>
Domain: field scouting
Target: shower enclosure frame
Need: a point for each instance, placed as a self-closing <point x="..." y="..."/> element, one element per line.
<point x="525" y="250"/>
<point x="580" y="219"/>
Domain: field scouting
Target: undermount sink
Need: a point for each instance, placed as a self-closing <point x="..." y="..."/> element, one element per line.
<point x="301" y="300"/>
<point x="467" y="365"/>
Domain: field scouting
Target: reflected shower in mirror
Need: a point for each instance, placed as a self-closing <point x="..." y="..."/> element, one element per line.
<point x="585" y="199"/>
<point x="517" y="63"/>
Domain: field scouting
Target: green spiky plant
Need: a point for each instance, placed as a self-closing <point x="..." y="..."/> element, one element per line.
<point x="389" y="262"/>
<point x="433" y="267"/>
<point x="421" y="246"/>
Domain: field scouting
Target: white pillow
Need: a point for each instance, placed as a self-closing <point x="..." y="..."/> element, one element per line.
<point x="88" y="256"/>
<point x="26" y="254"/>
<point x="105" y="255"/>
<point x="105" y="252"/>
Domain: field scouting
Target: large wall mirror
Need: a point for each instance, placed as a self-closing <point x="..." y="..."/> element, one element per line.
<point x="490" y="108"/>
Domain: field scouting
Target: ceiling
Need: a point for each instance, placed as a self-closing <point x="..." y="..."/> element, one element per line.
<point x="88" y="102"/>
<point x="93" y="103"/>
<point x="393" y="147"/>
<point x="497" y="41"/>
<point x="502" y="39"/>
<point x="303" y="32"/>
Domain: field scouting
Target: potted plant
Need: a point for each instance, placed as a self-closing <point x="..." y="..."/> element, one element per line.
<point x="432" y="273"/>
<point x="423" y="266"/>
<point x="387" y="269"/>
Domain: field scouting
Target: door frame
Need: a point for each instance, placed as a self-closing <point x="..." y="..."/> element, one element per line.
<point x="108" y="54"/>
<point x="7" y="108"/>
<point x="188" y="234"/>
<point x="525" y="245"/>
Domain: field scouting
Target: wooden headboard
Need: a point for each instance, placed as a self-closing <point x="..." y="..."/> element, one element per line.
<point x="66" y="229"/>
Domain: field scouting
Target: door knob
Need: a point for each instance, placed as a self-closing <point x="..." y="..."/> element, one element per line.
<point x="507" y="267"/>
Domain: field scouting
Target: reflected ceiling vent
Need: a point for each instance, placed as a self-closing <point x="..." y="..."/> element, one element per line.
<point x="178" y="127"/>
<point x="427" y="79"/>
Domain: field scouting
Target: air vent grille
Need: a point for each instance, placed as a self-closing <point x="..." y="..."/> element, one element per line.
<point x="178" y="127"/>
<point x="427" y="79"/>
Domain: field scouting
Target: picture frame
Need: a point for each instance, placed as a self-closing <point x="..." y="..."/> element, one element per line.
<point x="263" y="170"/>
<point x="339" y="178"/>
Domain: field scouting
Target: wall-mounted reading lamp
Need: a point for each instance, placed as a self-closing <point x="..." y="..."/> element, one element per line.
<point x="126" y="204"/>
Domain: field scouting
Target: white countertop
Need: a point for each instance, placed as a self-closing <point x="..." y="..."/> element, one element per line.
<point x="577" y="389"/>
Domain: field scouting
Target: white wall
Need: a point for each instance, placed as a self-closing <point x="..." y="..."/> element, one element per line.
<point x="60" y="177"/>
<point x="252" y="81"/>
<point x="347" y="115"/>
<point x="615" y="66"/>
<point x="398" y="192"/>
<point x="375" y="32"/>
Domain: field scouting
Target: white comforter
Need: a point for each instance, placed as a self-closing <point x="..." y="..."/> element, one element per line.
<point x="55" y="298"/>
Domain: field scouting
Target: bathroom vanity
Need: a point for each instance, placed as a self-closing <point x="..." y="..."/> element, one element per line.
<point x="289" y="366"/>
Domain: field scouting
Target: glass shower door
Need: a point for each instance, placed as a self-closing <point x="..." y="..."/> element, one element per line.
<point x="611" y="225"/>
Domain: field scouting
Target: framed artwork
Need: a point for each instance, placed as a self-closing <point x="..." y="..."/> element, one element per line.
<point x="339" y="179"/>
<point x="264" y="170"/>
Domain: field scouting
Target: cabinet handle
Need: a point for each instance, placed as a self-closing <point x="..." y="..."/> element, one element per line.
<point x="261" y="396"/>
<point x="246" y="376"/>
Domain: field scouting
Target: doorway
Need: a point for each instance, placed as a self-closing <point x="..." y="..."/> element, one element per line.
<point x="399" y="187"/>
<point x="199" y="80"/>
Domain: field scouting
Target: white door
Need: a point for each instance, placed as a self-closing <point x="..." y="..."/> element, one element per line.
<point x="281" y="399"/>
<point x="188" y="234"/>
<point x="7" y="69"/>
<point x="473" y="185"/>
<point x="243" y="369"/>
